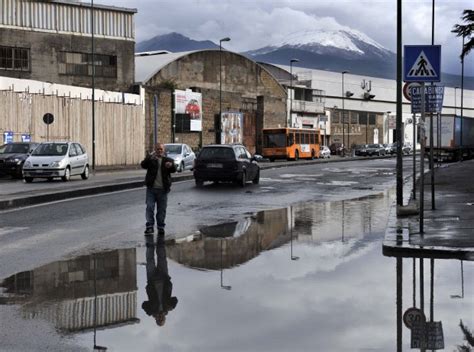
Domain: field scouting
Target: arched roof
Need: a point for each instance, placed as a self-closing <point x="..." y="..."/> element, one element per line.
<point x="147" y="65"/>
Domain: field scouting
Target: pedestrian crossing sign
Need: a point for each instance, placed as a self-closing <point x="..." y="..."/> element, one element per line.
<point x="422" y="63"/>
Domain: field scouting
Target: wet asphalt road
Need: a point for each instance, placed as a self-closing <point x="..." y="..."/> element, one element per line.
<point x="40" y="234"/>
<point x="293" y="264"/>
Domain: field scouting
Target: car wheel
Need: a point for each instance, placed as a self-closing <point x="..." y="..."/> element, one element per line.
<point x="85" y="174"/>
<point x="28" y="179"/>
<point x="199" y="183"/>
<point x="243" y="180"/>
<point x="272" y="160"/>
<point x="297" y="155"/>
<point x="256" y="180"/>
<point x="50" y="179"/>
<point x="67" y="174"/>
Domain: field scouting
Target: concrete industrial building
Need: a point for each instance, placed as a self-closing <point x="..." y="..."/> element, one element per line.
<point x="51" y="41"/>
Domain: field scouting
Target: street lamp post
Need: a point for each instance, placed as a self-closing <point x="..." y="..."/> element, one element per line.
<point x="93" y="85"/>
<point x="343" y="116"/>
<point x="226" y="39"/>
<point x="455" y="101"/>
<point x="288" y="122"/>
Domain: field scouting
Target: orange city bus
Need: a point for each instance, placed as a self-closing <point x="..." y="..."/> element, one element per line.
<point x="291" y="143"/>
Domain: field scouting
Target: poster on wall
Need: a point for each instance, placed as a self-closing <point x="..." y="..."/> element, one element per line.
<point x="189" y="103"/>
<point x="231" y="127"/>
<point x="7" y="137"/>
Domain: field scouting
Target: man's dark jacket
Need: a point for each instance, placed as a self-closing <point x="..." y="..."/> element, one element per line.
<point x="151" y="165"/>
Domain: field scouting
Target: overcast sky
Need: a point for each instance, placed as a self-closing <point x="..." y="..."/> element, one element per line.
<point x="252" y="24"/>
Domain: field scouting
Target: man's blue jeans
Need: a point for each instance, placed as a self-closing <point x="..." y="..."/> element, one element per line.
<point x="160" y="198"/>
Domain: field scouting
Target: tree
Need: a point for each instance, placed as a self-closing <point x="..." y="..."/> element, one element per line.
<point x="466" y="31"/>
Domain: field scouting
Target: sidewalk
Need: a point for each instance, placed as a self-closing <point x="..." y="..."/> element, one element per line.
<point x="449" y="229"/>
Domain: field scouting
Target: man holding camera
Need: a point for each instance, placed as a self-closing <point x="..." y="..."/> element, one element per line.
<point x="158" y="184"/>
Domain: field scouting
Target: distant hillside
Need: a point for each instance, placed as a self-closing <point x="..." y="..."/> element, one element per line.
<point x="174" y="42"/>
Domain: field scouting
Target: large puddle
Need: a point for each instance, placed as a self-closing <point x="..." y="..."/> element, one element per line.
<point x="310" y="277"/>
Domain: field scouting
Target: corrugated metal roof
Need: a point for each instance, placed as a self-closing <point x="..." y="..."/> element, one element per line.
<point x="146" y="66"/>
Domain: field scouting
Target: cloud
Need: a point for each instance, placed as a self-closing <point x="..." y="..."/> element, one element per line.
<point x="258" y="23"/>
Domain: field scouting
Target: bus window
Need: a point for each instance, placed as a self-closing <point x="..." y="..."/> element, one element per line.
<point x="274" y="140"/>
<point x="297" y="137"/>
<point x="312" y="138"/>
<point x="291" y="140"/>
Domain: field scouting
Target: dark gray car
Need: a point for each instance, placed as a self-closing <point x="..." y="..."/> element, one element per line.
<point x="13" y="156"/>
<point x="226" y="163"/>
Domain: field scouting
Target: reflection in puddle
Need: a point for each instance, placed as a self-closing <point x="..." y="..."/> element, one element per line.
<point x="69" y="293"/>
<point x="229" y="244"/>
<point x="291" y="279"/>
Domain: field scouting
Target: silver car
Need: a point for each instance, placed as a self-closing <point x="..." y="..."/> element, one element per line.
<point x="182" y="155"/>
<point x="57" y="159"/>
<point x="324" y="152"/>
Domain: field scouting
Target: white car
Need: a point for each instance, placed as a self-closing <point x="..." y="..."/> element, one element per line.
<point x="182" y="155"/>
<point x="57" y="159"/>
<point x="324" y="152"/>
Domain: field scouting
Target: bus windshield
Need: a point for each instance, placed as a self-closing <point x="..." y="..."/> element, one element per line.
<point x="275" y="140"/>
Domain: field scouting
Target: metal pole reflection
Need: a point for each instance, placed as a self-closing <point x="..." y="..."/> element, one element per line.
<point x="96" y="347"/>
<point x="293" y="257"/>
<point x="225" y="287"/>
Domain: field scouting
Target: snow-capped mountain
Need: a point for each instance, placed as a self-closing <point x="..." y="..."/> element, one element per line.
<point x="323" y="49"/>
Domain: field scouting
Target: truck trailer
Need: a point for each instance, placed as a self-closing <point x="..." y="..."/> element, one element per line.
<point x="457" y="137"/>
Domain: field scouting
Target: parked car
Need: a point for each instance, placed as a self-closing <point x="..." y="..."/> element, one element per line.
<point x="13" y="156"/>
<point x="226" y="163"/>
<point x="406" y="148"/>
<point x="375" y="149"/>
<point x="337" y="149"/>
<point x="57" y="159"/>
<point x="324" y="152"/>
<point x="360" y="149"/>
<point x="389" y="148"/>
<point x="182" y="155"/>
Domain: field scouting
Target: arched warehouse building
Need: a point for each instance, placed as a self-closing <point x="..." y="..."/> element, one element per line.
<point x="182" y="88"/>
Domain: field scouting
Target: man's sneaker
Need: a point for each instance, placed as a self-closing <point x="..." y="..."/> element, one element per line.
<point x="149" y="230"/>
<point x="161" y="231"/>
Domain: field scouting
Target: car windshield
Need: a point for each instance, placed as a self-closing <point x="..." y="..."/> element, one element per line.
<point x="216" y="153"/>
<point x="51" y="149"/>
<point x="173" y="148"/>
<point x="14" y="148"/>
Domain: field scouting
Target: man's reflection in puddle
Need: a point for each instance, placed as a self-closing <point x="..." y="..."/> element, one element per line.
<point x="159" y="286"/>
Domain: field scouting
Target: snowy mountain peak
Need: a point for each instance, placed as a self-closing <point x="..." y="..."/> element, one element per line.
<point x="346" y="39"/>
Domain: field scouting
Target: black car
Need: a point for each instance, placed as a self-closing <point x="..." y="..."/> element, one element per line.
<point x="225" y="163"/>
<point x="360" y="149"/>
<point x="375" y="149"/>
<point x="13" y="156"/>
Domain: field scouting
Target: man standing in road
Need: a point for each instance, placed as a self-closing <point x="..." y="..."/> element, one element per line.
<point x="158" y="185"/>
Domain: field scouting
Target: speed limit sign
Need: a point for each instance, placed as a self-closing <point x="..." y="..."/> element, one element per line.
<point x="413" y="316"/>
<point x="407" y="89"/>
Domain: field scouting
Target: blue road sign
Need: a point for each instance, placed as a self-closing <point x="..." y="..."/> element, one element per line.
<point x="433" y="99"/>
<point x="422" y="63"/>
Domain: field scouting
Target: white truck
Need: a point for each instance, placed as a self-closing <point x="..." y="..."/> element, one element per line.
<point x="453" y="146"/>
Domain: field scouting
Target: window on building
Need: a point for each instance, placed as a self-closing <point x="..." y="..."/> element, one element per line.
<point x="336" y="118"/>
<point x="363" y="118"/>
<point x="80" y="64"/>
<point x="354" y="118"/>
<point x="372" y="119"/>
<point x="17" y="59"/>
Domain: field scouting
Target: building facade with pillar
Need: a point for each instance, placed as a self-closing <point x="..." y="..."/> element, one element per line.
<point x="183" y="97"/>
